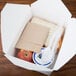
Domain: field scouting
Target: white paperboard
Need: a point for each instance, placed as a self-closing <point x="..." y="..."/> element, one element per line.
<point x="27" y="65"/>
<point x="13" y="19"/>
<point x="68" y="48"/>
<point x="54" y="11"/>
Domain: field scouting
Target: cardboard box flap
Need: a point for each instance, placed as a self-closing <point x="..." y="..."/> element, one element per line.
<point x="54" y="11"/>
<point x="68" y="49"/>
<point x="14" y="17"/>
<point x="26" y="65"/>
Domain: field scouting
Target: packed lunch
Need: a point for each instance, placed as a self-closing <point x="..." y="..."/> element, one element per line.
<point x="40" y="42"/>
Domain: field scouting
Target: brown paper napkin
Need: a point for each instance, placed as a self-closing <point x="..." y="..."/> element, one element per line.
<point x="33" y="37"/>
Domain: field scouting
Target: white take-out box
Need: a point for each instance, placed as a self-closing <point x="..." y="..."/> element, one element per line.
<point x="14" y="17"/>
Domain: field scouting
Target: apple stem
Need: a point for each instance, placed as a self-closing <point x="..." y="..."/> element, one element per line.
<point x="26" y="54"/>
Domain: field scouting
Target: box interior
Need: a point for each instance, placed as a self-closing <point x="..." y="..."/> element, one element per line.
<point x="13" y="50"/>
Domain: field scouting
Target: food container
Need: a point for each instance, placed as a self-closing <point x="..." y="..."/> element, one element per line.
<point x="14" y="18"/>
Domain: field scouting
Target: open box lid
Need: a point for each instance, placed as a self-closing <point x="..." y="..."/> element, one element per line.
<point x="14" y="17"/>
<point x="68" y="48"/>
<point x="54" y="11"/>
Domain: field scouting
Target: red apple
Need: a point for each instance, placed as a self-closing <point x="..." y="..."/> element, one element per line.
<point x="25" y="55"/>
